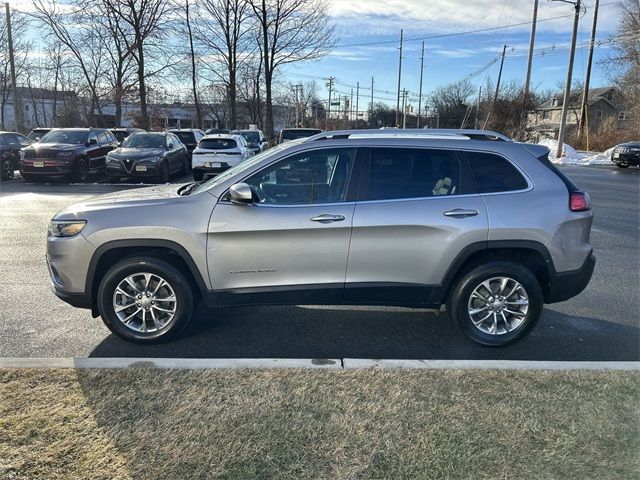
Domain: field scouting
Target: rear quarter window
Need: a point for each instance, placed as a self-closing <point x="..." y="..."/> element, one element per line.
<point x="493" y="173"/>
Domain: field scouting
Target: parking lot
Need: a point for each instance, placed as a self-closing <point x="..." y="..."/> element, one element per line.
<point x="600" y="324"/>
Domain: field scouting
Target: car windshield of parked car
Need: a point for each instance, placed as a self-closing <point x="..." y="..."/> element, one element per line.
<point x="253" y="137"/>
<point x="241" y="167"/>
<point x="143" y="140"/>
<point x="71" y="137"/>
<point x="294" y="134"/>
<point x="217" y="143"/>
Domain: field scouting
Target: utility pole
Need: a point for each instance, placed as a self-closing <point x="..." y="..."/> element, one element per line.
<point x="495" y="97"/>
<point x="330" y="81"/>
<point x="532" y="42"/>
<point x="297" y="105"/>
<point x="351" y="107"/>
<point x="585" y="93"/>
<point x="475" y="125"/>
<point x="404" y="108"/>
<point x="17" y="106"/>
<point x="399" y="77"/>
<point x="371" y="119"/>
<point x="420" y="92"/>
<point x="357" y="102"/>
<point x="567" y="86"/>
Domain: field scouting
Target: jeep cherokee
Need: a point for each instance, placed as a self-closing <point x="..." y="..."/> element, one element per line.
<point x="467" y="219"/>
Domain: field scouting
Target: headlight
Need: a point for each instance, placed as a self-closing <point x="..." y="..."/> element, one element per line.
<point x="66" y="228"/>
<point x="66" y="154"/>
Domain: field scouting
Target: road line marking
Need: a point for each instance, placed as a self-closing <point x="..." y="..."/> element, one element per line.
<point x="308" y="363"/>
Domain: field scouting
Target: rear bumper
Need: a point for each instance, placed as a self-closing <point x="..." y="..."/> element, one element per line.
<point x="565" y="285"/>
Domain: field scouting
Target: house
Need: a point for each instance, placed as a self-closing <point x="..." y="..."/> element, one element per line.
<point x="603" y="103"/>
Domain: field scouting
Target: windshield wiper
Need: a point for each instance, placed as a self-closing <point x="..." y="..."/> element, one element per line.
<point x="187" y="189"/>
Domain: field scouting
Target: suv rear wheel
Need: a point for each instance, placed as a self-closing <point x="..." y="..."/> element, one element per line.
<point x="145" y="299"/>
<point x="496" y="303"/>
<point x="6" y="169"/>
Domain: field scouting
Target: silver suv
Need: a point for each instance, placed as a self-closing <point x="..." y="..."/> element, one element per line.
<point x="423" y="218"/>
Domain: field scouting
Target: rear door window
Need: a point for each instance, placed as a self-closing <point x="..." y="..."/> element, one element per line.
<point x="397" y="173"/>
<point x="494" y="174"/>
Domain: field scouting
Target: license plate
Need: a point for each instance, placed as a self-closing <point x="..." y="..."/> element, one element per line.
<point x="141" y="168"/>
<point x="38" y="164"/>
<point x="616" y="155"/>
<point x="214" y="164"/>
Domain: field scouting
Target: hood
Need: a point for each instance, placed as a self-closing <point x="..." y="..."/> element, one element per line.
<point x="133" y="153"/>
<point x="137" y="197"/>
<point x="55" y="146"/>
<point x="629" y="144"/>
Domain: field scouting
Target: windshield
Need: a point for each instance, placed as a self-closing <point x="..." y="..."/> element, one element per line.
<point x="144" y="140"/>
<point x="120" y="134"/>
<point x="250" y="136"/>
<point x="241" y="167"/>
<point x="217" y="143"/>
<point x="73" y="137"/>
<point x="293" y="134"/>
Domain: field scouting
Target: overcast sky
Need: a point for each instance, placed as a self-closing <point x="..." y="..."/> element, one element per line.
<point x="452" y="58"/>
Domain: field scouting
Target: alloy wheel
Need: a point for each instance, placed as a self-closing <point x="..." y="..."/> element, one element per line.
<point x="498" y="305"/>
<point x="145" y="302"/>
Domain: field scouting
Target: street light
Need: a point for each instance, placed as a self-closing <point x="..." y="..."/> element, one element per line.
<point x="567" y="85"/>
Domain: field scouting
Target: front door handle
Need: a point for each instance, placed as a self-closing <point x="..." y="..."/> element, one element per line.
<point x="461" y="213"/>
<point x="327" y="218"/>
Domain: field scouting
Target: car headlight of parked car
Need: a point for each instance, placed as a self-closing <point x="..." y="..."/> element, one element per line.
<point x="66" y="228"/>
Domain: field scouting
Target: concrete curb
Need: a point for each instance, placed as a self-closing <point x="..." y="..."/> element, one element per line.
<point x="307" y="363"/>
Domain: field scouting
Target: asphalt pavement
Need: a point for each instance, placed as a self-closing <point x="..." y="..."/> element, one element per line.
<point x="601" y="324"/>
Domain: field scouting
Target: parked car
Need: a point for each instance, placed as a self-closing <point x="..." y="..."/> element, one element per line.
<point x="255" y="139"/>
<point x="288" y="134"/>
<point x="491" y="229"/>
<point x="10" y="145"/>
<point x="70" y="153"/>
<point x="626" y="154"/>
<point x="213" y="131"/>
<point x="37" y="133"/>
<point x="189" y="136"/>
<point x="217" y="153"/>
<point x="148" y="154"/>
<point x="123" y="132"/>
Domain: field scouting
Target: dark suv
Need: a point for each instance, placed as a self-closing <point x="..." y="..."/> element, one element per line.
<point x="626" y="154"/>
<point x="10" y="145"/>
<point x="189" y="136"/>
<point x="70" y="153"/>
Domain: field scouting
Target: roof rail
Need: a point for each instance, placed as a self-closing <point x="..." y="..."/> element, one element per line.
<point x="430" y="133"/>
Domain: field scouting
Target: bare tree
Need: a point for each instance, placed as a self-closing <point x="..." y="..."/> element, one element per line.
<point x="225" y="31"/>
<point x="19" y="28"/>
<point x="82" y="43"/>
<point x="192" y="58"/>
<point x="451" y="103"/>
<point x="291" y="31"/>
<point x="147" y="19"/>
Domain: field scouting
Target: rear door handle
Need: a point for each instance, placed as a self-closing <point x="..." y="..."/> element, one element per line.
<point x="461" y="213"/>
<point x="327" y="218"/>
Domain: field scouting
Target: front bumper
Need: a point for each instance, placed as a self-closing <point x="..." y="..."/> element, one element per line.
<point x="68" y="261"/>
<point x="49" y="167"/>
<point x="124" y="168"/>
<point x="626" y="158"/>
<point x="566" y="285"/>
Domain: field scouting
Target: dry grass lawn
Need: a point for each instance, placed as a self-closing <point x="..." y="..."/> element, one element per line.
<point x="258" y="424"/>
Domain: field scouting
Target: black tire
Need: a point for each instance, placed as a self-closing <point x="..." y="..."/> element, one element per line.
<point x="619" y="165"/>
<point x="458" y="303"/>
<point x="163" y="172"/>
<point x="6" y="169"/>
<point x="33" y="178"/>
<point x="80" y="170"/>
<point x="172" y="275"/>
<point x="184" y="168"/>
<point x="198" y="176"/>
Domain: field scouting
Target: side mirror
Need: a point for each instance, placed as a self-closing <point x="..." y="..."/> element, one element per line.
<point x="170" y="146"/>
<point x="92" y="141"/>
<point x="240" y="194"/>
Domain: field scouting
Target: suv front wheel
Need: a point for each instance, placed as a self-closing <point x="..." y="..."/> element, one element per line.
<point x="496" y="303"/>
<point x="145" y="299"/>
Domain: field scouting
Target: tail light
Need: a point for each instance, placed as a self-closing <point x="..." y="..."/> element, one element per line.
<point x="579" y="202"/>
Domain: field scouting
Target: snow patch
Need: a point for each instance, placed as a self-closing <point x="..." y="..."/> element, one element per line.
<point x="572" y="157"/>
